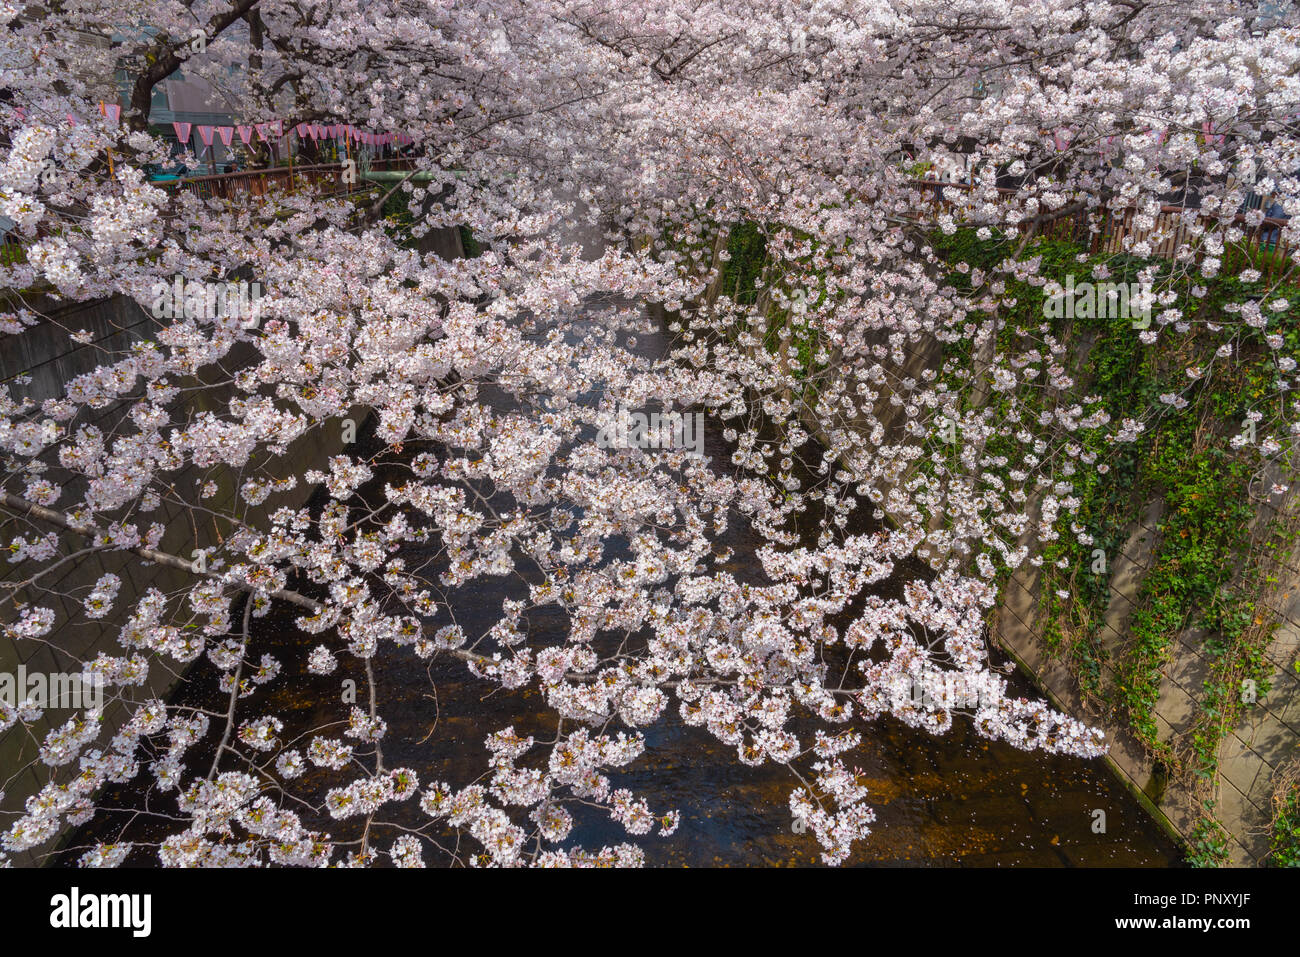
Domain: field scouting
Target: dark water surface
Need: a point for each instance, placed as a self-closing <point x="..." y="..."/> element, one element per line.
<point x="955" y="800"/>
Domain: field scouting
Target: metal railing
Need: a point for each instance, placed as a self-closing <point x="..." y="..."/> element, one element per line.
<point x="319" y="178"/>
<point x="1170" y="234"/>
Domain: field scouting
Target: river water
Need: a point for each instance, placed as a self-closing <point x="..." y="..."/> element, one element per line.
<point x="958" y="800"/>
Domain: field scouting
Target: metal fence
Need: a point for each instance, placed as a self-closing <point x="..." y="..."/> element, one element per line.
<point x="1176" y="232"/>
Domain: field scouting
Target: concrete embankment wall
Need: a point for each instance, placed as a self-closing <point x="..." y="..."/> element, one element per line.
<point x="46" y="354"/>
<point x="37" y="364"/>
<point x="1252" y="753"/>
<point x="1257" y="751"/>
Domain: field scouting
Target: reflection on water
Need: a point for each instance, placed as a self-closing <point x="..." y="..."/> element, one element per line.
<point x="954" y="800"/>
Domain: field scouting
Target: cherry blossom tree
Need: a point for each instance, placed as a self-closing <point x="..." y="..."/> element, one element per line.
<point x="853" y="379"/>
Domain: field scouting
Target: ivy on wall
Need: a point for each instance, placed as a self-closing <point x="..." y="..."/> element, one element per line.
<point x="1204" y="578"/>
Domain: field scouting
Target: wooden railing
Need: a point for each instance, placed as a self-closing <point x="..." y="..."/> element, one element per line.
<point x="1261" y="246"/>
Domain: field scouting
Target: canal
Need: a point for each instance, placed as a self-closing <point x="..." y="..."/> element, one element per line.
<point x="956" y="800"/>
